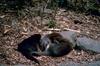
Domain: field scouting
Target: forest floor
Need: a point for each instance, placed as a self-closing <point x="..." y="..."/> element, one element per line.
<point x="14" y="29"/>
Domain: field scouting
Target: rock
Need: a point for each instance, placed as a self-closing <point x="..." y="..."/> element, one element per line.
<point x="88" y="44"/>
<point x="83" y="43"/>
<point x="71" y="63"/>
<point x="70" y="35"/>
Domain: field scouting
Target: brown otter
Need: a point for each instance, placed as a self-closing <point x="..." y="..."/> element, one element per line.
<point x="54" y="45"/>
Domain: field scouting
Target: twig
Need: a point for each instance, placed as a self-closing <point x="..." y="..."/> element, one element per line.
<point x="64" y="29"/>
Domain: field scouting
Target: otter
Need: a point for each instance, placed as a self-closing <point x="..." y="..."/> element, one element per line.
<point x="28" y="46"/>
<point x="54" y="45"/>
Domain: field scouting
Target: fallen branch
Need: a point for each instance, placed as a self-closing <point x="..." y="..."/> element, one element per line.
<point x="64" y="29"/>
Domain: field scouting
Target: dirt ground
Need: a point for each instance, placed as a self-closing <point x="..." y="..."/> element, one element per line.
<point x="14" y="29"/>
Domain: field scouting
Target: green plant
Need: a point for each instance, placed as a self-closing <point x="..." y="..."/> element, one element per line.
<point x="51" y="24"/>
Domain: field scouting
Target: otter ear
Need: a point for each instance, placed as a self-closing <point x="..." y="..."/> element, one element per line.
<point x="36" y="36"/>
